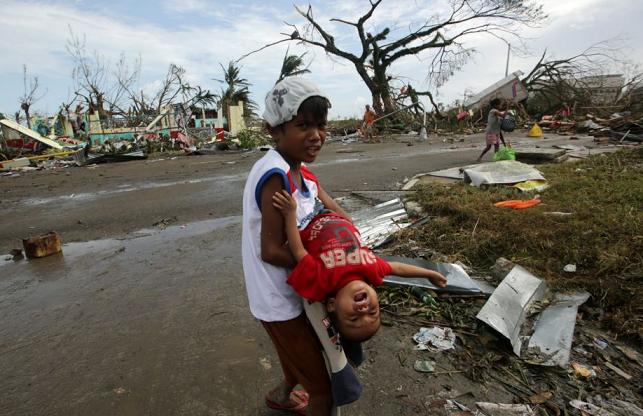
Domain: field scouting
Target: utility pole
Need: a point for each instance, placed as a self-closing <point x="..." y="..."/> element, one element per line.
<point x="507" y="66"/>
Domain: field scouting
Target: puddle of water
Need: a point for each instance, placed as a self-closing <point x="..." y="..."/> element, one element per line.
<point x="140" y="239"/>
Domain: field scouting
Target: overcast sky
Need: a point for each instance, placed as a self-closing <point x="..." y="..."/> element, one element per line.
<point x="199" y="34"/>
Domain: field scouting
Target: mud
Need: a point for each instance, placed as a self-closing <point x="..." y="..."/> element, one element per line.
<point x="133" y="319"/>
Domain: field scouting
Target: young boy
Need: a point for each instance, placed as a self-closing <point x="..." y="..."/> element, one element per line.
<point x="334" y="266"/>
<point x="295" y="114"/>
<point x="493" y="132"/>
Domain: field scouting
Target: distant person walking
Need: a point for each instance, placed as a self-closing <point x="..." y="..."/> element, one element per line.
<point x="367" y="123"/>
<point x="493" y="133"/>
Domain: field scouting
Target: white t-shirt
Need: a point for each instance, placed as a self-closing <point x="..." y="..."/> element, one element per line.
<point x="270" y="297"/>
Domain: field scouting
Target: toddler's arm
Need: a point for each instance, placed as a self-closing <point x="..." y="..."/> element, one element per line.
<point x="330" y="204"/>
<point x="288" y="208"/>
<point x="273" y="228"/>
<point x="408" y="270"/>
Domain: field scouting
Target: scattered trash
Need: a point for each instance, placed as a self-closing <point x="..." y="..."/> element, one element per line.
<point x="502" y="172"/>
<point x="589" y="409"/>
<point x="528" y="186"/>
<point x="120" y="391"/>
<point x="600" y="343"/>
<point x="518" y="203"/>
<point x="558" y="214"/>
<point x="631" y="354"/>
<point x="570" y="268"/>
<point x="434" y="339"/>
<point x="540" y="398"/>
<point x="265" y="363"/>
<point x="620" y="407"/>
<point x="14" y="163"/>
<point x="501" y="409"/>
<point x="582" y="370"/>
<point x="506" y="153"/>
<point x="424" y="366"/>
<point x="535" y="131"/>
<point x="540" y="155"/>
<point x="449" y="407"/>
<point x="115" y="157"/>
<point x="42" y="245"/>
<point x="590" y="125"/>
<point x="424" y="296"/>
<point x="618" y="371"/>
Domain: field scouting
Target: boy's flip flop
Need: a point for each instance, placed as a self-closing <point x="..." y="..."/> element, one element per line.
<point x="298" y="403"/>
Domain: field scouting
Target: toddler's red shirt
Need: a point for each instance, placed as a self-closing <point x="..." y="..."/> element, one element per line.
<point x="336" y="256"/>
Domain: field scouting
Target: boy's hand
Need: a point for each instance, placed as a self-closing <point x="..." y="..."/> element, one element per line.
<point x="285" y="203"/>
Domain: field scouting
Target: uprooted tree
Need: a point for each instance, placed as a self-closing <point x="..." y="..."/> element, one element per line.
<point x="439" y="39"/>
<point x="572" y="80"/>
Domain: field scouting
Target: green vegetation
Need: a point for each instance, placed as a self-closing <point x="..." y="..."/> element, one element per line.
<point x="602" y="237"/>
<point x="249" y="139"/>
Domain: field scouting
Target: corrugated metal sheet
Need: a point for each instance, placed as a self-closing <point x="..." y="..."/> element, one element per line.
<point x="378" y="223"/>
<point x="458" y="281"/>
<point x="507" y="307"/>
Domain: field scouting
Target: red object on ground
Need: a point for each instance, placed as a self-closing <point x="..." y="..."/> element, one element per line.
<point x="219" y="133"/>
<point x="518" y="203"/>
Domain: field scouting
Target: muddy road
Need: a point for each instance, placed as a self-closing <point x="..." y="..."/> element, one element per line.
<point x="145" y="313"/>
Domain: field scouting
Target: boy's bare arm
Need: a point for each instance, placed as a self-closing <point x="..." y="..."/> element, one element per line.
<point x="273" y="234"/>
<point x="330" y="204"/>
<point x="288" y="208"/>
<point x="408" y="270"/>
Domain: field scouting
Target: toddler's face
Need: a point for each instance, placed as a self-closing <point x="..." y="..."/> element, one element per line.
<point x="357" y="310"/>
<point x="301" y="139"/>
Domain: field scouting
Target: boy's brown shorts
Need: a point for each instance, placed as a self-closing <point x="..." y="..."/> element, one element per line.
<point x="302" y="362"/>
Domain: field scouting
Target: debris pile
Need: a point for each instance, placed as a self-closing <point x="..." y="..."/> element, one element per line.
<point x="619" y="127"/>
<point x="543" y="345"/>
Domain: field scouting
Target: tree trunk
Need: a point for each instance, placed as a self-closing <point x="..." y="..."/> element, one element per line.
<point x="28" y="117"/>
<point x="384" y="91"/>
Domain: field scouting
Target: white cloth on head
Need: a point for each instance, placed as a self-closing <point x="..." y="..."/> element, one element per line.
<point x="284" y="99"/>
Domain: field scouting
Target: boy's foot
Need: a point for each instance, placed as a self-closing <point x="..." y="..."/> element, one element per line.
<point x="295" y="401"/>
<point x="479" y="160"/>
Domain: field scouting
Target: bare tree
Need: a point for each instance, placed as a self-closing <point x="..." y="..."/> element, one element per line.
<point x="102" y="91"/>
<point x="30" y="95"/>
<point x="174" y="89"/>
<point x="438" y="38"/>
